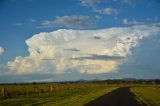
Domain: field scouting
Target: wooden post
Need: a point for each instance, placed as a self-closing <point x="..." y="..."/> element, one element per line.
<point x="3" y="92"/>
<point x="57" y="88"/>
<point x="36" y="90"/>
<point x="44" y="89"/>
<point x="69" y="87"/>
<point x="51" y="89"/>
<point x="65" y="87"/>
<point x="27" y="90"/>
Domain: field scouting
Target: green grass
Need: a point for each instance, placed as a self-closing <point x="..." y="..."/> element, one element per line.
<point x="148" y="95"/>
<point x="75" y="97"/>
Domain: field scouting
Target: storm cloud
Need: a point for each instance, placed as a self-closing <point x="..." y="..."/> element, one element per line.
<point x="65" y="51"/>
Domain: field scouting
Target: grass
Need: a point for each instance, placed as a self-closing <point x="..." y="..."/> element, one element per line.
<point x="74" y="97"/>
<point x="148" y="95"/>
<point x="73" y="94"/>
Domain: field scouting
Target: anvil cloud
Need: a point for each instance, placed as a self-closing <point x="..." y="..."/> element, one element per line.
<point x="84" y="51"/>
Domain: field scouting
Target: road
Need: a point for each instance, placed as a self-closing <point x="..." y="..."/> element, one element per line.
<point x="119" y="97"/>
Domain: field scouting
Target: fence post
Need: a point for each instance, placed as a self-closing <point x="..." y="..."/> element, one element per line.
<point x="57" y="88"/>
<point x="70" y="87"/>
<point x="51" y="89"/>
<point x="27" y="90"/>
<point x="3" y="92"/>
<point x="36" y="90"/>
<point x="65" y="86"/>
<point x="44" y="89"/>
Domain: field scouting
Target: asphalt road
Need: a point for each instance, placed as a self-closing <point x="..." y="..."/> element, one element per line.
<point x="119" y="97"/>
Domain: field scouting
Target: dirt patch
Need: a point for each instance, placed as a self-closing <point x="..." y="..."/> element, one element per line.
<point x="119" y="97"/>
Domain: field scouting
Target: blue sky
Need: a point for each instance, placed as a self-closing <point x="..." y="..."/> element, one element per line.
<point x="21" y="19"/>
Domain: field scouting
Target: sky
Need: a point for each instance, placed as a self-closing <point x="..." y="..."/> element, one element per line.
<point x="66" y="40"/>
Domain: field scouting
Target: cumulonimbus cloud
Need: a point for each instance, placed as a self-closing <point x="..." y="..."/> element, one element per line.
<point x="83" y="51"/>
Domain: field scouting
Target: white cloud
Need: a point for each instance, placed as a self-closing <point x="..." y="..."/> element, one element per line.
<point x="47" y="24"/>
<point x="90" y="3"/>
<point x="32" y="20"/>
<point x="97" y="17"/>
<point x="125" y="21"/>
<point x="108" y="11"/>
<point x="93" y="4"/>
<point x="1" y="51"/>
<point x="129" y="2"/>
<point x="70" y="22"/>
<point x="18" y="24"/>
<point x="74" y="21"/>
<point x="132" y="22"/>
<point x="83" y="51"/>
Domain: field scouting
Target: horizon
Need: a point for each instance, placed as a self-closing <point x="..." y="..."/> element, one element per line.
<point x="125" y="80"/>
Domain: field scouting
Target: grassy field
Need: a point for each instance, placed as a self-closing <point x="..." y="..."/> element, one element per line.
<point x="149" y="95"/>
<point x="74" y="97"/>
<point x="76" y="94"/>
